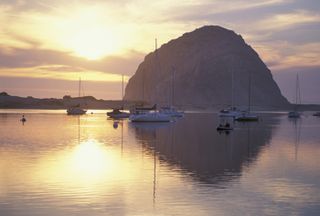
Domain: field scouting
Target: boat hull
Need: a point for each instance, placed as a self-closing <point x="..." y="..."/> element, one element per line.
<point x="118" y="115"/>
<point x="247" y="117"/>
<point x="76" y="111"/>
<point x="150" y="117"/>
<point x="294" y="114"/>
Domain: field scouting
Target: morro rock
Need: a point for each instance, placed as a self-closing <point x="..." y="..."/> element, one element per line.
<point x="205" y="68"/>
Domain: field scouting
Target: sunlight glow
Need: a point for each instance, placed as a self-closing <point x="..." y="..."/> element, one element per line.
<point x="87" y="34"/>
<point x="91" y="160"/>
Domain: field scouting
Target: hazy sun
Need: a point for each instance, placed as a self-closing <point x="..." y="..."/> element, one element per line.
<point x="88" y="34"/>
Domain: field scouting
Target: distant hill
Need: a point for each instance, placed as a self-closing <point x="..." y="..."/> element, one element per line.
<point x="195" y="71"/>
<point x="88" y="102"/>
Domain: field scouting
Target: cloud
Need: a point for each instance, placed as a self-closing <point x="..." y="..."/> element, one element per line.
<point x="48" y="37"/>
<point x="288" y="20"/>
<point x="11" y="58"/>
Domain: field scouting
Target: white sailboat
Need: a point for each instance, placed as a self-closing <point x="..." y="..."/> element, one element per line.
<point x="116" y="113"/>
<point x="295" y="113"/>
<point x="149" y="115"/>
<point x="171" y="110"/>
<point x="247" y="115"/>
<point x="77" y="110"/>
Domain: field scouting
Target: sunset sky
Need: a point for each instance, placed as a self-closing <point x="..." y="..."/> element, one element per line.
<point x="45" y="45"/>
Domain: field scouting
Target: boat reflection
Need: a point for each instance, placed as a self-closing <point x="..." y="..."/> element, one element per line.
<point x="193" y="145"/>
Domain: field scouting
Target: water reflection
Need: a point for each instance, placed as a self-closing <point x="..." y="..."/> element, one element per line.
<point x="63" y="165"/>
<point x="194" y="145"/>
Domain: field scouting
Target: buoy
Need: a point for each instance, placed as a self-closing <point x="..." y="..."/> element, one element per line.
<point x="23" y="119"/>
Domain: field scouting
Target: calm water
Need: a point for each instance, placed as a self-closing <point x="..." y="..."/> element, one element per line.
<point x="56" y="164"/>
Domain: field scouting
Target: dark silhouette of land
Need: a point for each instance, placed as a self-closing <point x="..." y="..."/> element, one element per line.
<point x="89" y="102"/>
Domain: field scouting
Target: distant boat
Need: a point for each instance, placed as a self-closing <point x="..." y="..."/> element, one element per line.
<point x="295" y="113"/>
<point x="77" y="110"/>
<point x="225" y="127"/>
<point x="317" y="114"/>
<point x="116" y="113"/>
<point x="230" y="112"/>
<point x="247" y="115"/>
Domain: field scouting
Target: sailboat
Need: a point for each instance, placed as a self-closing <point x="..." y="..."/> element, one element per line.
<point x="247" y="115"/>
<point x="295" y="113"/>
<point x="230" y="111"/>
<point x="149" y="115"/>
<point x="116" y="113"/>
<point x="77" y="110"/>
<point x="171" y="110"/>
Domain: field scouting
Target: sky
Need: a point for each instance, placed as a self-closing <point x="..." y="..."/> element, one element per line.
<point x="46" y="45"/>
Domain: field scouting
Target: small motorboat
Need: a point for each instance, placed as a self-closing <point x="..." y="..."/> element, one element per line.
<point x="76" y="111"/>
<point x="294" y="114"/>
<point x="225" y="127"/>
<point x="118" y="114"/>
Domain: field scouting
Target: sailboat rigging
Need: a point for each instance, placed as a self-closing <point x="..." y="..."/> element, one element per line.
<point x="247" y="115"/>
<point x="118" y="113"/>
<point x="295" y="113"/>
<point x="149" y="114"/>
<point x="231" y="111"/>
<point x="77" y="110"/>
<point x="171" y="110"/>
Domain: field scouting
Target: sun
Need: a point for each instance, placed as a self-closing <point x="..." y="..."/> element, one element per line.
<point x="87" y="33"/>
<point x="93" y="43"/>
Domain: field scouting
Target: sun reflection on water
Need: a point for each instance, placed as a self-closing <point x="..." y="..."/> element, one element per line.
<point x="88" y="164"/>
<point x="91" y="161"/>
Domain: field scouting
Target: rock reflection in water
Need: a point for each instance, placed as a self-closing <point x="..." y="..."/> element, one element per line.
<point x="194" y="145"/>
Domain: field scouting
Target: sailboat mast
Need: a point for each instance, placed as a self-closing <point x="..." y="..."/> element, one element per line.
<point x="232" y="88"/>
<point x="172" y="96"/>
<point x="298" y="96"/>
<point x="122" y="87"/>
<point x="143" y="77"/>
<point x="79" y="87"/>
<point x="249" y="89"/>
